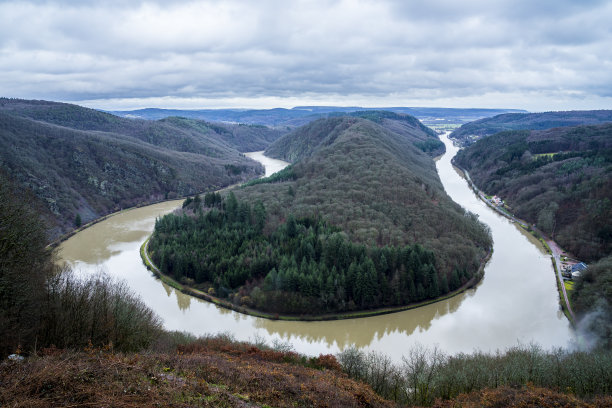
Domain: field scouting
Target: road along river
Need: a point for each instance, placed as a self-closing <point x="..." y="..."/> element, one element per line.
<point x="517" y="301"/>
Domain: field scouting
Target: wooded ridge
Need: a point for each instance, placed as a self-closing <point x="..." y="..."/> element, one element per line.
<point x="359" y="221"/>
<point x="83" y="164"/>
<point x="559" y="179"/>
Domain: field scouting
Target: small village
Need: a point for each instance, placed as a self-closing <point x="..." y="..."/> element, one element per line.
<point x="570" y="268"/>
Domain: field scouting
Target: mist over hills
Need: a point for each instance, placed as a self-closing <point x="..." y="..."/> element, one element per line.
<point x="470" y="132"/>
<point x="82" y="161"/>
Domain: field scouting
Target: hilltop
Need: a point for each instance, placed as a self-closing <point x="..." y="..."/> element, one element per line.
<point x="360" y="220"/>
<point x="470" y="132"/>
<point x="304" y="140"/>
<point x="82" y="163"/>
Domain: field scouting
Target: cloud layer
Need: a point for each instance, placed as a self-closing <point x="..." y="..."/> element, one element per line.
<point x="550" y="54"/>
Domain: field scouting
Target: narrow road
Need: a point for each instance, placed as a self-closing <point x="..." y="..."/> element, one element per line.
<point x="556" y="254"/>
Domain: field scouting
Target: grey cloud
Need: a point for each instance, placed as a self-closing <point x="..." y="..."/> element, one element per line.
<point x="440" y="49"/>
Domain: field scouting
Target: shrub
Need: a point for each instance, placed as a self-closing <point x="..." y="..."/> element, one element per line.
<point x="96" y="310"/>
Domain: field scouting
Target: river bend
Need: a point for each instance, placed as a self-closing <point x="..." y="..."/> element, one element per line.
<point x="517" y="300"/>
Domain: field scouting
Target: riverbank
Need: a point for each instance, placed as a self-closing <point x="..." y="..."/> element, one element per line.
<point x="548" y="244"/>
<point x="70" y="234"/>
<point x="144" y="254"/>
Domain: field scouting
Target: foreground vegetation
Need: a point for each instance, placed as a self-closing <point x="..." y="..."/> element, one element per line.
<point x="42" y="305"/>
<point x="179" y="371"/>
<point x="427" y="374"/>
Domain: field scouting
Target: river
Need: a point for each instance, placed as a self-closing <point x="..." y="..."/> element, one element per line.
<point x="516" y="302"/>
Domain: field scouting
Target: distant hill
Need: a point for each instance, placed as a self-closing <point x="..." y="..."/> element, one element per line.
<point x="559" y="179"/>
<point x="82" y="161"/>
<point x="360" y="220"/>
<point x="305" y="140"/>
<point x="478" y="129"/>
<point x="301" y="115"/>
<point x="180" y="134"/>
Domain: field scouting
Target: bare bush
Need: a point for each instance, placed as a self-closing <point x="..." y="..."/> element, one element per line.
<point x="96" y="311"/>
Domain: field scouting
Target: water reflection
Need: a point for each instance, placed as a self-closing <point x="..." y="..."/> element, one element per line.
<point x="351" y="332"/>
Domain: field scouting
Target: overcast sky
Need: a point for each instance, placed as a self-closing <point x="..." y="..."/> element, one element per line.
<point x="536" y="55"/>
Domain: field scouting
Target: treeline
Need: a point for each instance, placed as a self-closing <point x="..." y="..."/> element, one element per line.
<point x="303" y="266"/>
<point x="42" y="305"/>
<point x="428" y="374"/>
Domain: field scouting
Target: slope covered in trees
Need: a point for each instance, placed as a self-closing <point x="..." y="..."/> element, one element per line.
<point x="184" y="135"/>
<point x="472" y="131"/>
<point x="93" y="343"/>
<point x="560" y="179"/>
<point x="592" y="301"/>
<point x="304" y="140"/>
<point x="83" y="163"/>
<point x="42" y="305"/>
<point x="359" y="221"/>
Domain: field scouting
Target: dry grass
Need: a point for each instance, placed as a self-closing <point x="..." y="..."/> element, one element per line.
<point x="236" y="377"/>
<point x="524" y="397"/>
<point x="217" y="372"/>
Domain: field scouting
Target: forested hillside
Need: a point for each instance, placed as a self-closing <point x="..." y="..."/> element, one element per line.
<point x="93" y="341"/>
<point x="83" y="164"/>
<point x="559" y="179"/>
<point x="472" y="131"/>
<point x="359" y="221"/>
<point x="304" y="140"/>
<point x="244" y="138"/>
<point x="181" y="134"/>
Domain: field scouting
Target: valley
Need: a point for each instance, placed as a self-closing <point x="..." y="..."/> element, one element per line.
<point x="317" y="203"/>
<point x="113" y="246"/>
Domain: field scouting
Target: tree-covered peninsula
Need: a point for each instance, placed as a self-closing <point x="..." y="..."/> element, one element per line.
<point x="359" y="221"/>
